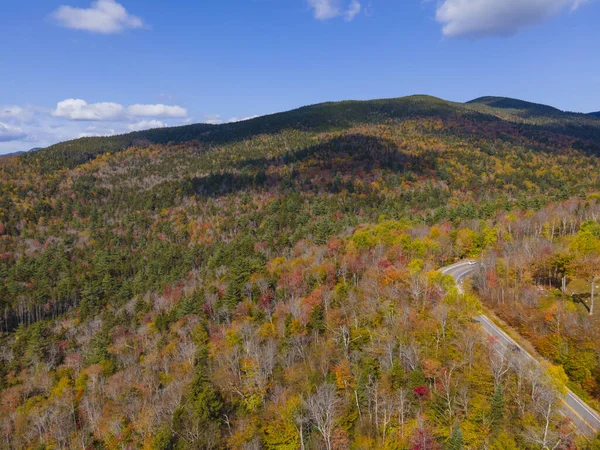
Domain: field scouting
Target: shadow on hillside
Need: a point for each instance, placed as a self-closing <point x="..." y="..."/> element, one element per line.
<point x="355" y="154"/>
<point x="583" y="299"/>
<point x="583" y="130"/>
<point x="315" y="118"/>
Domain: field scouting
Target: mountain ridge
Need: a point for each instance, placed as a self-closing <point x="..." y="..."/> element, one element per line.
<point x="328" y="116"/>
<point x="516" y="104"/>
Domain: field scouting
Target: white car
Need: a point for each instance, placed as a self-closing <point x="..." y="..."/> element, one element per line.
<point x="472" y="263"/>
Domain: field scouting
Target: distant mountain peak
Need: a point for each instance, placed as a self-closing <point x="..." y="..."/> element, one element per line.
<point x="528" y="108"/>
<point x="13" y="153"/>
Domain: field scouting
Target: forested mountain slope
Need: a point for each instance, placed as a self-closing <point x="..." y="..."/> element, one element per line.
<point x="322" y="117"/>
<point x="272" y="283"/>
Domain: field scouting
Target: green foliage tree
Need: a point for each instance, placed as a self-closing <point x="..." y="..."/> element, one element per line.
<point x="456" y="441"/>
<point x="497" y="411"/>
<point x="316" y="321"/>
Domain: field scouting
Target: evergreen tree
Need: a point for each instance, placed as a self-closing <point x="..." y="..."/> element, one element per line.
<point x="99" y="348"/>
<point x="108" y="285"/>
<point x="316" y="321"/>
<point x="456" y="441"/>
<point x="203" y="409"/>
<point x="323" y="229"/>
<point x="239" y="273"/>
<point x="36" y="343"/>
<point x="163" y="440"/>
<point x="497" y="412"/>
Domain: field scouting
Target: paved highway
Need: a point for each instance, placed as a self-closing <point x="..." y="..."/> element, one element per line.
<point x="585" y="418"/>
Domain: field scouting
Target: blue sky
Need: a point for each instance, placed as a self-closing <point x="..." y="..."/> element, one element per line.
<point x="72" y="68"/>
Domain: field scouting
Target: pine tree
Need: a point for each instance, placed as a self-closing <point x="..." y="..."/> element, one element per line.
<point x="497" y="413"/>
<point x="203" y="409"/>
<point x="36" y="343"/>
<point x="98" y="351"/>
<point x="239" y="273"/>
<point x="456" y="441"/>
<point x="316" y="321"/>
<point x="108" y="285"/>
<point x="323" y="229"/>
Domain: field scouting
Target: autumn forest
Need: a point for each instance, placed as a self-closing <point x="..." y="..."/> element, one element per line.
<point x="275" y="283"/>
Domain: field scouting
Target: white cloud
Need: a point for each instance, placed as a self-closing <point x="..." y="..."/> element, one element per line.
<point x="10" y="133"/>
<point x="243" y="119"/>
<point x="477" y="18"/>
<point x="146" y="125"/>
<point x="352" y="11"/>
<point x="330" y="9"/>
<point x="42" y="129"/>
<point x="324" y="9"/>
<point x="214" y="119"/>
<point x="103" y="16"/>
<point x="11" y="111"/>
<point x="96" y="133"/>
<point x="25" y="126"/>
<point x="77" y="109"/>
<point x="15" y="114"/>
<point x="157" y="111"/>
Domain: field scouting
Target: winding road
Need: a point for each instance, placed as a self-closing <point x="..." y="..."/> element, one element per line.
<point x="584" y="417"/>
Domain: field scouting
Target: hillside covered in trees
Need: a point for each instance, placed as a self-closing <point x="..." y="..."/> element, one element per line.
<point x="275" y="284"/>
